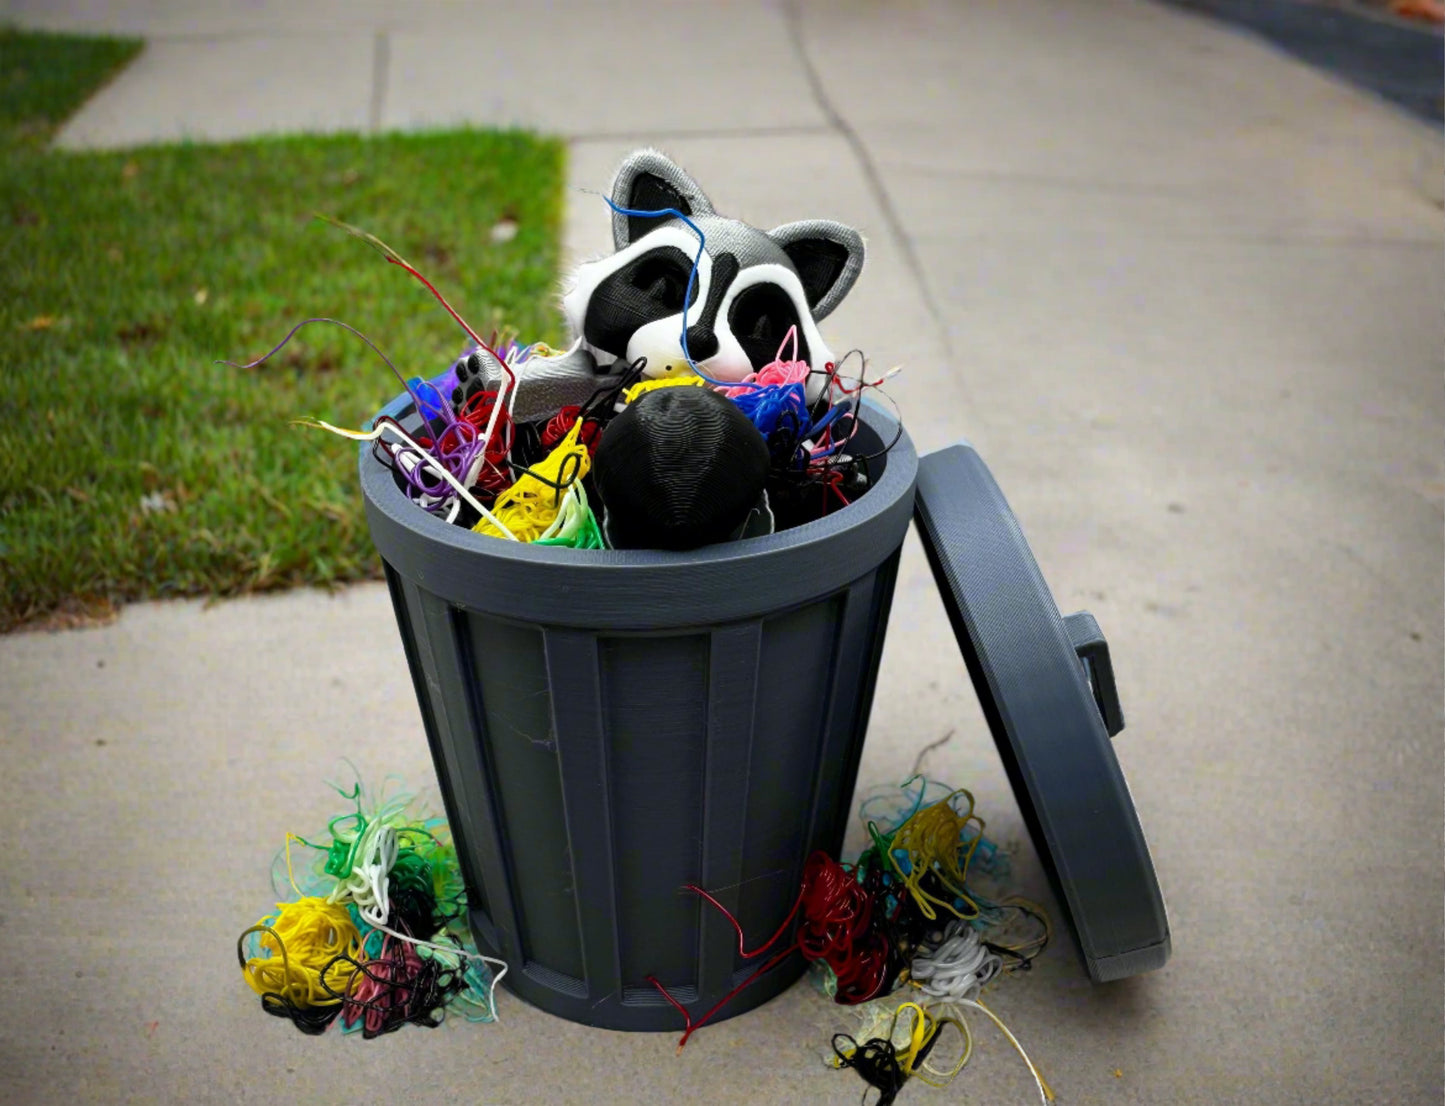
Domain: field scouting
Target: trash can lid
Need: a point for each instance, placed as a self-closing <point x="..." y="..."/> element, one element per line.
<point x="1047" y="690"/>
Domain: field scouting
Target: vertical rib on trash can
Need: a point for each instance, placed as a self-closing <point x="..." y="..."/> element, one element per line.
<point x="598" y="751"/>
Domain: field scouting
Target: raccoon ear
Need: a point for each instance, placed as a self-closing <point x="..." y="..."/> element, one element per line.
<point x="650" y="181"/>
<point x="828" y="257"/>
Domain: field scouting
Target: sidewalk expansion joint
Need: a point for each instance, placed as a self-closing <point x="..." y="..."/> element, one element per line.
<point x="794" y="20"/>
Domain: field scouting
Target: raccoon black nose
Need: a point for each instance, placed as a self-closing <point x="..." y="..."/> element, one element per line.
<point x="701" y="342"/>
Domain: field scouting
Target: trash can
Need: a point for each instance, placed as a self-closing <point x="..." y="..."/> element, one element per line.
<point x="608" y="726"/>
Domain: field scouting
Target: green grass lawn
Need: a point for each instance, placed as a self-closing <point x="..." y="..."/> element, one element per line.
<point x="134" y="467"/>
<point x="45" y="77"/>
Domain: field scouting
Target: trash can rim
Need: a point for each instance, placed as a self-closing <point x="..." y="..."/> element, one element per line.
<point x="380" y="489"/>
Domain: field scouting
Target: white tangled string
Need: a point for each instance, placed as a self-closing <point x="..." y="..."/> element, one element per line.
<point x="959" y="967"/>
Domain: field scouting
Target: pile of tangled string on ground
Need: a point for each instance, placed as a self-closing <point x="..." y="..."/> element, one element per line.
<point x="905" y="935"/>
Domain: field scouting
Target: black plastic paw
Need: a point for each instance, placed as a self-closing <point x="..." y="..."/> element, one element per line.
<point x="473" y="376"/>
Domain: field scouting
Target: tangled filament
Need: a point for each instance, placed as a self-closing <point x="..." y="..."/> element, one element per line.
<point x="837" y="928"/>
<point x="769" y="405"/>
<point x="366" y="885"/>
<point x="959" y="967"/>
<point x="415" y="907"/>
<point x="446" y="874"/>
<point x="779" y="370"/>
<point x="474" y="998"/>
<point x="922" y="1036"/>
<point x="930" y="840"/>
<point x="642" y="387"/>
<point x="299" y="941"/>
<point x="575" y="526"/>
<point x="529" y="507"/>
<point x="887" y="1062"/>
<point x="884" y="1019"/>
<point x="483" y="431"/>
<point x="775" y="398"/>
<point x="556" y="429"/>
<point x="840" y="927"/>
<point x="359" y="948"/>
<point x="393" y="988"/>
<point x="876" y="1061"/>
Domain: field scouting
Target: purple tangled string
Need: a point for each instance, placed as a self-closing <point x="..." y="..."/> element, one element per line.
<point x="465" y="444"/>
<point x="420" y="478"/>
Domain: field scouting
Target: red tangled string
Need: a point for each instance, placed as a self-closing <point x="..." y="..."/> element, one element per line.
<point x="477" y="411"/>
<point x="837" y="928"/>
<point x="463" y="437"/>
<point x="395" y="987"/>
<point x="557" y="427"/>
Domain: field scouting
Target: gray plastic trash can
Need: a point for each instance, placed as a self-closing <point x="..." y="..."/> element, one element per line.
<point x="610" y="726"/>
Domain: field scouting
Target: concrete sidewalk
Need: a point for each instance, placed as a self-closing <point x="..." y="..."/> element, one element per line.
<point x="1184" y="295"/>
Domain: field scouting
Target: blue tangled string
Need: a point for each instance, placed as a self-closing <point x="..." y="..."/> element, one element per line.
<point x="691" y="283"/>
<point x="770" y="406"/>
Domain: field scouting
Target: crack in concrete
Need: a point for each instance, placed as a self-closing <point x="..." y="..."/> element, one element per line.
<point x="794" y="20"/>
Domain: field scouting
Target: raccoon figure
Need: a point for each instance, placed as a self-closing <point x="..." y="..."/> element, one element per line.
<point x="752" y="286"/>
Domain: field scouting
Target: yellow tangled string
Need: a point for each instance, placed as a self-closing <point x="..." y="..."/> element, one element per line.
<point x="926" y="1026"/>
<point x="643" y="387"/>
<point x="298" y="942"/>
<point x="529" y="508"/>
<point x="931" y="840"/>
<point x="911" y="1036"/>
<point x="1046" y="1093"/>
<point x="1039" y="931"/>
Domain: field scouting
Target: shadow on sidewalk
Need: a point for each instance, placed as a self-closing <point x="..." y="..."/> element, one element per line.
<point x="1402" y="63"/>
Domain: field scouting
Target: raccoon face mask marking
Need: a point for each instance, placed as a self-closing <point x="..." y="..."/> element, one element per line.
<point x="652" y="285"/>
<point x="760" y="315"/>
<point x="752" y="285"/>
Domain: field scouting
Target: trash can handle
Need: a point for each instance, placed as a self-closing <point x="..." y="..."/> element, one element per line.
<point x="1093" y="650"/>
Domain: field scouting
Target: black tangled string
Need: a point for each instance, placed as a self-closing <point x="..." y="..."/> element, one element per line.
<point x="311" y="1020"/>
<point x="877" y="1062"/>
<point x="394" y="989"/>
